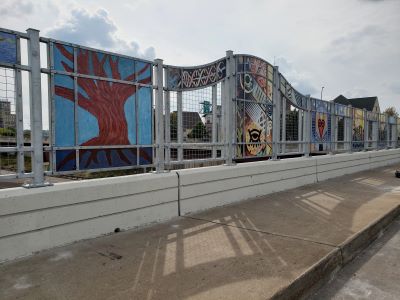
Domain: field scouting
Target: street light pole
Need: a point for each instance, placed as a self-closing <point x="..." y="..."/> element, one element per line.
<point x="321" y="91"/>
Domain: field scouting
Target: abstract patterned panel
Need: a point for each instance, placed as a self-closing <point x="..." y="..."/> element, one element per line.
<point x="192" y="78"/>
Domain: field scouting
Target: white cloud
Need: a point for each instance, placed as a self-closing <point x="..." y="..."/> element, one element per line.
<point x="96" y="30"/>
<point x="16" y="8"/>
<point x="299" y="79"/>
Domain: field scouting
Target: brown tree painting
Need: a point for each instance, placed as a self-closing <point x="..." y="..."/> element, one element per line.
<point x="108" y="113"/>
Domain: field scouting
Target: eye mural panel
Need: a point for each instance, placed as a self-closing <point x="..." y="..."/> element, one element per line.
<point x="253" y="107"/>
<point x="320" y="126"/>
<point x="100" y="113"/>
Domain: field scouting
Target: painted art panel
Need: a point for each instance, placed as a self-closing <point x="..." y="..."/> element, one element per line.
<point x="64" y="111"/>
<point x="65" y="160"/>
<point x="320" y="131"/>
<point x="105" y="65"/>
<point x="257" y="129"/>
<point x="197" y="77"/>
<point x="108" y="113"/>
<point x="63" y="57"/>
<point x="145" y="117"/>
<point x="340" y="110"/>
<point x="8" y="48"/>
<point x="239" y="128"/>
<point x="358" y="129"/>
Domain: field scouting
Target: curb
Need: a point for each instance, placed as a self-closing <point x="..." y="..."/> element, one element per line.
<point x="325" y="269"/>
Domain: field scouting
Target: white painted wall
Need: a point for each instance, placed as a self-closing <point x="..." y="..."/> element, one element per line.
<point x="37" y="219"/>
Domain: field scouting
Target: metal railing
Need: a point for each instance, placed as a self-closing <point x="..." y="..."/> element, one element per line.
<point x="72" y="108"/>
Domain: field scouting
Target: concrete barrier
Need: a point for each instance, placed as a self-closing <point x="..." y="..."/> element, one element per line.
<point x="330" y="166"/>
<point x="204" y="188"/>
<point x="37" y="219"/>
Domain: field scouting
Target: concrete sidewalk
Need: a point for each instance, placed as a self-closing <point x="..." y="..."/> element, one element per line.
<point x="372" y="275"/>
<point x="283" y="245"/>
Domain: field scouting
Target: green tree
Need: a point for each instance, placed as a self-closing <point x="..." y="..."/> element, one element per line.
<point x="173" y="123"/>
<point x="7" y="132"/>
<point x="198" y="132"/>
<point x="391" y="112"/>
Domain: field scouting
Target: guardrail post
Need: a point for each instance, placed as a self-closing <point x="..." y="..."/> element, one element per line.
<point x="159" y="105"/>
<point x="35" y="88"/>
<point x="276" y="114"/>
<point x="229" y="90"/>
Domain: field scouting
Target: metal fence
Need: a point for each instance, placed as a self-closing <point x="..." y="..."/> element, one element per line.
<point x="66" y="108"/>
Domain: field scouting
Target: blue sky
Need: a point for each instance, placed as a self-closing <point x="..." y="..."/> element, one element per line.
<point x="351" y="47"/>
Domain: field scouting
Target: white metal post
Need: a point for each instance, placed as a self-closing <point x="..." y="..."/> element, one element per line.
<point x="349" y="128"/>
<point x="387" y="131"/>
<point x="159" y="103"/>
<point x="366" y="125"/>
<point x="179" y="125"/>
<point x="214" y="121"/>
<point x="300" y="136"/>
<point x="375" y="133"/>
<point x="333" y="127"/>
<point x="229" y="90"/>
<point x="167" y="128"/>
<point x="35" y="87"/>
<point x="307" y="128"/>
<point x="283" y="140"/>
<point x="19" y="114"/>
<point x="276" y="114"/>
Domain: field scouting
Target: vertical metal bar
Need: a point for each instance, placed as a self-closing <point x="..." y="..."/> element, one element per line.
<point x="160" y="116"/>
<point x="179" y="126"/>
<point x="300" y="130"/>
<point x="223" y="114"/>
<point x="52" y="108"/>
<point x="349" y="129"/>
<point x="276" y="100"/>
<point x="35" y="87"/>
<point x="76" y="124"/>
<point x="19" y="114"/>
<point x="214" y="120"/>
<point x="375" y="133"/>
<point x="230" y="66"/>
<point x="387" y="131"/>
<point x="167" y="128"/>
<point x="331" y="112"/>
<point x="307" y="130"/>
<point x="49" y="102"/>
<point x="284" y="103"/>
<point x="366" y="125"/>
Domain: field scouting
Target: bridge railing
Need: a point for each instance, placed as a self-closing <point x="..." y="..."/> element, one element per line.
<point x="67" y="108"/>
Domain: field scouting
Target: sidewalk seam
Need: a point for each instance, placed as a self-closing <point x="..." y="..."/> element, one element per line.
<point x="266" y="232"/>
